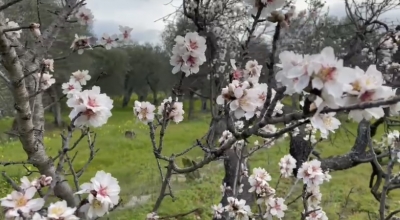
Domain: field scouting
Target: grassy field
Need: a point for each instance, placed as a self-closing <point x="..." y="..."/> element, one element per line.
<point x="132" y="162"/>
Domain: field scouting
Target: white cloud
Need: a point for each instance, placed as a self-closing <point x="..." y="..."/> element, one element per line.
<point x="142" y="14"/>
<point x="138" y="14"/>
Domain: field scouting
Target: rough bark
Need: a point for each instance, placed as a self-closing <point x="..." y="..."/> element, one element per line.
<point x="217" y="127"/>
<point x="300" y="150"/>
<point x="29" y="124"/>
<point x="30" y="112"/>
<point x="230" y="164"/>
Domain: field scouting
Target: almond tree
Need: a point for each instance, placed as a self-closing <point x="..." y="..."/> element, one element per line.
<point x="252" y="107"/>
<point x="246" y="105"/>
<point x="28" y="75"/>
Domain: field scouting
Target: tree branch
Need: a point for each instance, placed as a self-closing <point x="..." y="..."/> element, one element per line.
<point x="7" y="5"/>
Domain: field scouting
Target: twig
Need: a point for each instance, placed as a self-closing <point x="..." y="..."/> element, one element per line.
<point x="163" y="188"/>
<point x="345" y="204"/>
<point x="294" y="200"/>
<point x="74" y="175"/>
<point x="5" y="6"/>
<point x="391" y="215"/>
<point x="10" y="181"/>
<point x="91" y="154"/>
<point x="177" y="216"/>
<point x="16" y="29"/>
<point x="14" y="163"/>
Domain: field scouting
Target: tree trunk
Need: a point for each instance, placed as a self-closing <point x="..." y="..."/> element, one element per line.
<point x="30" y="119"/>
<point x="155" y="99"/>
<point x="142" y="97"/>
<point x="56" y="108"/>
<point x="217" y="127"/>
<point x="204" y="104"/>
<point x="153" y="87"/>
<point x="127" y="97"/>
<point x="231" y="162"/>
<point x="191" y="105"/>
<point x="57" y="115"/>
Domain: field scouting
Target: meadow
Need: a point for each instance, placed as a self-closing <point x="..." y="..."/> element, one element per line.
<point x="132" y="162"/>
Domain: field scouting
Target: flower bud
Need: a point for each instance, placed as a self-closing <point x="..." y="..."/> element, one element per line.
<point x="34" y="27"/>
<point x="45" y="180"/>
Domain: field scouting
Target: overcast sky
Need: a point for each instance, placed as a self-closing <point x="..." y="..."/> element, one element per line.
<point x="142" y="14"/>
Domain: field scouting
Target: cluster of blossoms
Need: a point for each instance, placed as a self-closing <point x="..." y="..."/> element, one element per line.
<point x="310" y="133"/>
<point x="81" y="43"/>
<point x="145" y="110"/>
<point x="236" y="209"/>
<point x="390" y="140"/>
<point x="75" y="83"/>
<point x="313" y="176"/>
<point x="44" y="78"/>
<point x="89" y="107"/>
<point x="103" y="191"/>
<point x="334" y="86"/>
<point x="22" y="202"/>
<point x="310" y="173"/>
<point x="244" y="95"/>
<point x="188" y="54"/>
<point x="384" y="53"/>
<point x="265" y="194"/>
<point x="104" y="194"/>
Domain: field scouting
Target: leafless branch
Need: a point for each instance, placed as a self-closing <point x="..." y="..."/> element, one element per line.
<point x="181" y="214"/>
<point x="9" y="4"/>
<point x="10" y="181"/>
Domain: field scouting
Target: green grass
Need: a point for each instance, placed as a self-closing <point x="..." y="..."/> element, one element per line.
<point x="133" y="163"/>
